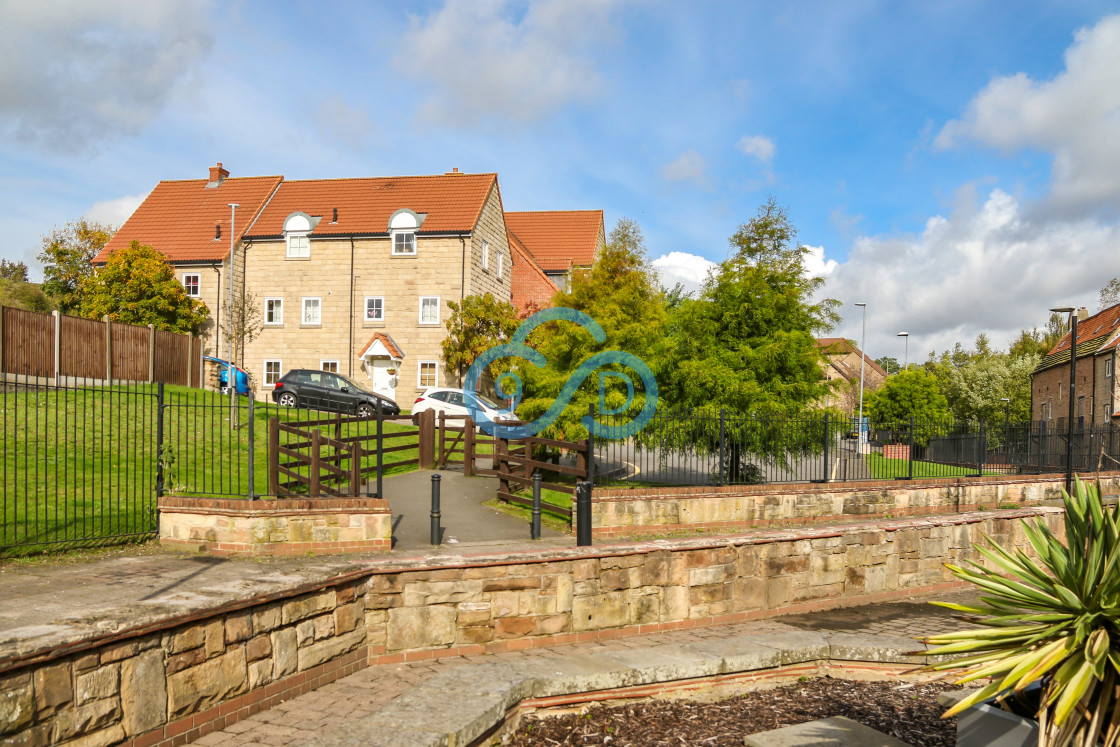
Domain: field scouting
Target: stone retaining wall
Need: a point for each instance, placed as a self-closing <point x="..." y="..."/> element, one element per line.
<point x="200" y="673"/>
<point x="621" y="512"/>
<point x="275" y="527"/>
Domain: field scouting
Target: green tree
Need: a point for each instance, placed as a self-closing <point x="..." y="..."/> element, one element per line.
<point x="621" y="293"/>
<point x="913" y="393"/>
<point x="888" y="364"/>
<point x="137" y="286"/>
<point x="1039" y="342"/>
<point x="476" y="324"/>
<point x="13" y="271"/>
<point x="975" y="390"/>
<point x="1110" y="294"/>
<point x="67" y="254"/>
<point x="748" y="342"/>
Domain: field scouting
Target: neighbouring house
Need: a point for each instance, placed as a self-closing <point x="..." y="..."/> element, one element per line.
<point x="842" y="364"/>
<point x="348" y="275"/>
<point x="560" y="241"/>
<point x="1097" y="396"/>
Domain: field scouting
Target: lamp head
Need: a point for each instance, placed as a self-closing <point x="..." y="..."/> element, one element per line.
<point x="903" y="334"/>
<point x="1064" y="310"/>
<point x="861" y="304"/>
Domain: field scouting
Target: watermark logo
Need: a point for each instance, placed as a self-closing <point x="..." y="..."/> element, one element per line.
<point x="517" y="348"/>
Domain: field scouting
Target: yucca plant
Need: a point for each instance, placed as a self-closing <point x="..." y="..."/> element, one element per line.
<point x="1053" y="620"/>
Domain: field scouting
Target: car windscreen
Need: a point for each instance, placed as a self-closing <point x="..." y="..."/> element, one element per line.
<point x="353" y="385"/>
<point x="486" y="401"/>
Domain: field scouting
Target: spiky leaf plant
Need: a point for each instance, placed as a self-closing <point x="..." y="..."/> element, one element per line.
<point x="1053" y="620"/>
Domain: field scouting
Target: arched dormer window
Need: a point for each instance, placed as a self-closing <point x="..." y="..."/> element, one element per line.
<point x="403" y="225"/>
<point x="297" y="226"/>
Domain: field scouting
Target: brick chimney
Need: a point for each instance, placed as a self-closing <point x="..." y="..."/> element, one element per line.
<point x="217" y="175"/>
<point x="1082" y="314"/>
<point x="455" y="170"/>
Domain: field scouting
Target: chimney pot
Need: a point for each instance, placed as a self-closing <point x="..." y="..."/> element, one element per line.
<point x="454" y="170"/>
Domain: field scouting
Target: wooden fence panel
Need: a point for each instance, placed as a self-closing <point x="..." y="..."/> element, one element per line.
<point x="130" y="352"/>
<point x="28" y="342"/>
<point x="171" y="353"/>
<point x="82" y="348"/>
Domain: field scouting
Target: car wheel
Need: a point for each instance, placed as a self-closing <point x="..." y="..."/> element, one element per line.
<point x="365" y="410"/>
<point x="287" y="399"/>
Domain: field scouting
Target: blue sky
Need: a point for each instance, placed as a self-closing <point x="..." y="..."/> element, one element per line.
<point x="956" y="165"/>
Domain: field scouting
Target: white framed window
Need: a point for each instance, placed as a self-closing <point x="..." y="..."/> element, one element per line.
<point x="485" y="255"/>
<point x="1107" y="369"/>
<point x="274" y="311"/>
<point x="375" y="309"/>
<point x="271" y="371"/>
<point x="426" y="374"/>
<point x="329" y="366"/>
<point x="404" y="242"/>
<point x="429" y="310"/>
<point x="500" y="258"/>
<point x="312" y="311"/>
<point x="191" y="283"/>
<point x="299" y="245"/>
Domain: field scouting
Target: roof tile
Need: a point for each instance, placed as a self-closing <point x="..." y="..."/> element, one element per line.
<point x="559" y="238"/>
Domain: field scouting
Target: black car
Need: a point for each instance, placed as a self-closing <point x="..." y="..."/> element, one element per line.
<point x="322" y="390"/>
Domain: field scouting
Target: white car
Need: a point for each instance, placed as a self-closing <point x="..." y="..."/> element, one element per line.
<point x="450" y="401"/>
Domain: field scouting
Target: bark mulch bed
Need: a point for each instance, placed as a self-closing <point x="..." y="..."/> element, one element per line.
<point x="905" y="711"/>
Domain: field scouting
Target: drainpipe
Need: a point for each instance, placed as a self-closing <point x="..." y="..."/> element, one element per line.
<point x="462" y="293"/>
<point x="350" y="342"/>
<point x="218" y="312"/>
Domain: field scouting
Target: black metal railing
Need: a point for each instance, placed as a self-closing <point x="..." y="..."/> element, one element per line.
<point x="719" y="447"/>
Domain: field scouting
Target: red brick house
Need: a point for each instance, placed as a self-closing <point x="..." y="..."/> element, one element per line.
<point x="842" y="365"/>
<point x="1098" y="398"/>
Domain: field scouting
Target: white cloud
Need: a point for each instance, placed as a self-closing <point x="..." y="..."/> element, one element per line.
<point x="116" y="211"/>
<point x="338" y="123"/>
<point x="688" y="167"/>
<point x="991" y="268"/>
<point x="77" y="72"/>
<point x="1075" y="116"/>
<point x="485" y="61"/>
<point x="687" y="269"/>
<point x="815" y="263"/>
<point x="758" y="146"/>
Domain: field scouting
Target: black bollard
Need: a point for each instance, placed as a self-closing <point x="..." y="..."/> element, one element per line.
<point x="583" y="514"/>
<point x="435" y="510"/>
<point x="535" y="527"/>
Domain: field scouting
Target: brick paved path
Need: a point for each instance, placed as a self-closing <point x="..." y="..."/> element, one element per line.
<point x="363" y="692"/>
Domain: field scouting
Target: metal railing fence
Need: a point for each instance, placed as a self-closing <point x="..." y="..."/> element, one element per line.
<point x="714" y="446"/>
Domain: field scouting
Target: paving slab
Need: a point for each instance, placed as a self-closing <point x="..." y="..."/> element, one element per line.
<point x="826" y="732"/>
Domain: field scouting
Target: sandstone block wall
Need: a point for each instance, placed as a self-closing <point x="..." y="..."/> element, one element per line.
<point x="620" y="512"/>
<point x="276" y="527"/>
<point x="174" y="684"/>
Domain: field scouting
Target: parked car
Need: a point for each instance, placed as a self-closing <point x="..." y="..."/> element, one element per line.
<point x="450" y="401"/>
<point x="322" y="390"/>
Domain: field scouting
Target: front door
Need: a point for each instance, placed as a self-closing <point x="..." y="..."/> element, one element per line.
<point x="383" y="382"/>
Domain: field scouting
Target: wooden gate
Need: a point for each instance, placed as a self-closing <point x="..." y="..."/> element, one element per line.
<point x="514" y="465"/>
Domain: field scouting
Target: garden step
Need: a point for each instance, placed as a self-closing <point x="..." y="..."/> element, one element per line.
<point x="826" y="732"/>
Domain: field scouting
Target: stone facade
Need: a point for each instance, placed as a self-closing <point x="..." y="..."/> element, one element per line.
<point x="276" y="527"/>
<point x="1050" y="392"/>
<point x="618" y="512"/>
<point x="173" y="682"/>
<point x="446" y="267"/>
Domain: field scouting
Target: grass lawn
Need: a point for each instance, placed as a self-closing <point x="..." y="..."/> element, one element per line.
<point x="887" y="469"/>
<point x="79" y="465"/>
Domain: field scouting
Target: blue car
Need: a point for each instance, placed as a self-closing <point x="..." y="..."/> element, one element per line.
<point x="240" y="375"/>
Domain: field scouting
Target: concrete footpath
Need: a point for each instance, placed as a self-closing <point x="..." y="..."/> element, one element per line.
<point x="412" y="703"/>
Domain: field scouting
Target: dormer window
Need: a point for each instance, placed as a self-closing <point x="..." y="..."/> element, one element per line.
<point x="296" y="230"/>
<point x="403" y="225"/>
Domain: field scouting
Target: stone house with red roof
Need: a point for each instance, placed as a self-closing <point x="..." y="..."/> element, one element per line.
<point x="841" y="364"/>
<point x="351" y="275"/>
<point x="1097" y="395"/>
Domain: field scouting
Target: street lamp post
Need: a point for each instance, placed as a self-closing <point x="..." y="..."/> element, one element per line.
<point x="862" y="361"/>
<point x="906" y="358"/>
<point x="1072" y="311"/>
<point x="232" y="258"/>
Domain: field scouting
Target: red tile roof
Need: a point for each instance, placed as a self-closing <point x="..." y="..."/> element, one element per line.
<point x="389" y="343"/>
<point x="839" y="345"/>
<point x="179" y="217"/>
<point x="1101" y="324"/>
<point x="559" y="238"/>
<point x="452" y="202"/>
<point x="531" y="287"/>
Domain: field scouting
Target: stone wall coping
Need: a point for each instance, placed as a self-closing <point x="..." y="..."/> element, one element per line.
<point x="462" y="704"/>
<point x="646" y="493"/>
<point x="266" y="583"/>
<point x="269" y="506"/>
